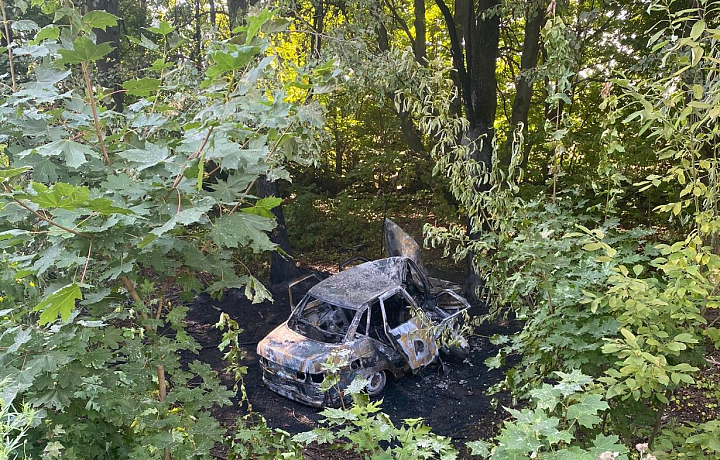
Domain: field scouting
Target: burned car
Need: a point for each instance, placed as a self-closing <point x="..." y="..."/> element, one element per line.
<point x="382" y="318"/>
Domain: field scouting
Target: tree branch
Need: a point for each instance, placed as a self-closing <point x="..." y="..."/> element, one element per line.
<point x="458" y="58"/>
<point x="52" y="222"/>
<point x="9" y="48"/>
<point x="403" y="24"/>
<point x="93" y="107"/>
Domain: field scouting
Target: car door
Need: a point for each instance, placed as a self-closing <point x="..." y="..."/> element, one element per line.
<point x="411" y="335"/>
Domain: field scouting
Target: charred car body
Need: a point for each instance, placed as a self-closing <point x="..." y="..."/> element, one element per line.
<point x="381" y="318"/>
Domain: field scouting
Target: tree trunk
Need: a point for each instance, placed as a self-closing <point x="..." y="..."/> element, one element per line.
<point x="523" y="96"/>
<point x="213" y="13"/>
<point x="198" y="36"/>
<point x="318" y="26"/>
<point x="109" y="66"/>
<point x="420" y="31"/>
<point x="282" y="267"/>
<point x="412" y="136"/>
<point x="236" y="10"/>
<point x="480" y="35"/>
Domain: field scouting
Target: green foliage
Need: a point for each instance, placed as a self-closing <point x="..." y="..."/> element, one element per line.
<point x="661" y="318"/>
<point x="99" y="215"/>
<point x="103" y="208"/>
<point x="83" y="51"/>
<point x="59" y="303"/>
<point x="696" y="441"/>
<point x="13" y="426"/>
<point x="361" y="429"/>
<point x="539" y="271"/>
<point x="563" y="422"/>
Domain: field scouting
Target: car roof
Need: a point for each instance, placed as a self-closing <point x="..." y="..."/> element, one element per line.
<point x="359" y="285"/>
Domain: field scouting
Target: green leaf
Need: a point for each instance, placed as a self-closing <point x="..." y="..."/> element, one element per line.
<point x="99" y="19"/>
<point x="74" y="152"/>
<point x="146" y="240"/>
<point x="59" y="303"/>
<point x="480" y="448"/>
<point x="60" y="195"/>
<point x="235" y="184"/>
<point x="241" y="229"/>
<point x="676" y="346"/>
<point x="586" y="409"/>
<point x="200" y="172"/>
<point x="84" y="50"/>
<point x="592" y="246"/>
<point x="572" y="382"/>
<point x="611" y="443"/>
<point x="142" y="87"/>
<point x="697" y="29"/>
<point x="47" y="33"/>
<point x="256" y="291"/>
<point x="106" y="207"/>
<point x="628" y="336"/>
<point x="263" y="207"/>
<point x="163" y="28"/>
<point x="148" y="157"/>
<point x="569" y="453"/>
<point x="12" y="172"/>
<point x="186" y="216"/>
<point x="686" y="337"/>
<point x="233" y="60"/>
<point x="546" y="397"/>
<point x="358" y="385"/>
<point x="144" y="42"/>
<point x="255" y="23"/>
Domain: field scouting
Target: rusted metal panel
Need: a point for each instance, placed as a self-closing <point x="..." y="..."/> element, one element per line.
<point x="290" y="349"/>
<point x="398" y="243"/>
<point x="417" y="342"/>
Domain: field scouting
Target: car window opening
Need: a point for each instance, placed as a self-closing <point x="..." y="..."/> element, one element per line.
<point x="397" y="309"/>
<point x="321" y="321"/>
<point x="362" y="324"/>
<point x="377" y="330"/>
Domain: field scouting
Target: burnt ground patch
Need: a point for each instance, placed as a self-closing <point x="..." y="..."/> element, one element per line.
<point x="450" y="396"/>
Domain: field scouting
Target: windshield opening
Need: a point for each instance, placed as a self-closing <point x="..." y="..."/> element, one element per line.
<point x="321" y="321"/>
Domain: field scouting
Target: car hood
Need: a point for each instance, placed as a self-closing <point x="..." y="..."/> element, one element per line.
<point x="295" y="351"/>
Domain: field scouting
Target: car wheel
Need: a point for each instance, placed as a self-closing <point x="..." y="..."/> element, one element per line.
<point x="376" y="383"/>
<point x="459" y="353"/>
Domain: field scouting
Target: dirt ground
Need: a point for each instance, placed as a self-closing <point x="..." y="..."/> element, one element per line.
<point x="449" y="396"/>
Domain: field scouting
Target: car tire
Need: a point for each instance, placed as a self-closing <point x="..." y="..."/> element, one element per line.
<point x="376" y="383"/>
<point x="459" y="353"/>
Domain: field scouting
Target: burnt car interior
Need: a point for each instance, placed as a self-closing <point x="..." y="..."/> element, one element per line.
<point x="322" y="321"/>
<point x="397" y="310"/>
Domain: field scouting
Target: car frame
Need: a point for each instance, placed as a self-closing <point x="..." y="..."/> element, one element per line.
<point x="378" y="319"/>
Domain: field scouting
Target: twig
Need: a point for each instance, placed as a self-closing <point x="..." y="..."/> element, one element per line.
<point x="162" y="383"/>
<point x="52" y="222"/>
<point x="158" y="312"/>
<point x="93" y="107"/>
<point x="190" y="158"/>
<point x="87" y="260"/>
<point x="9" y="48"/>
